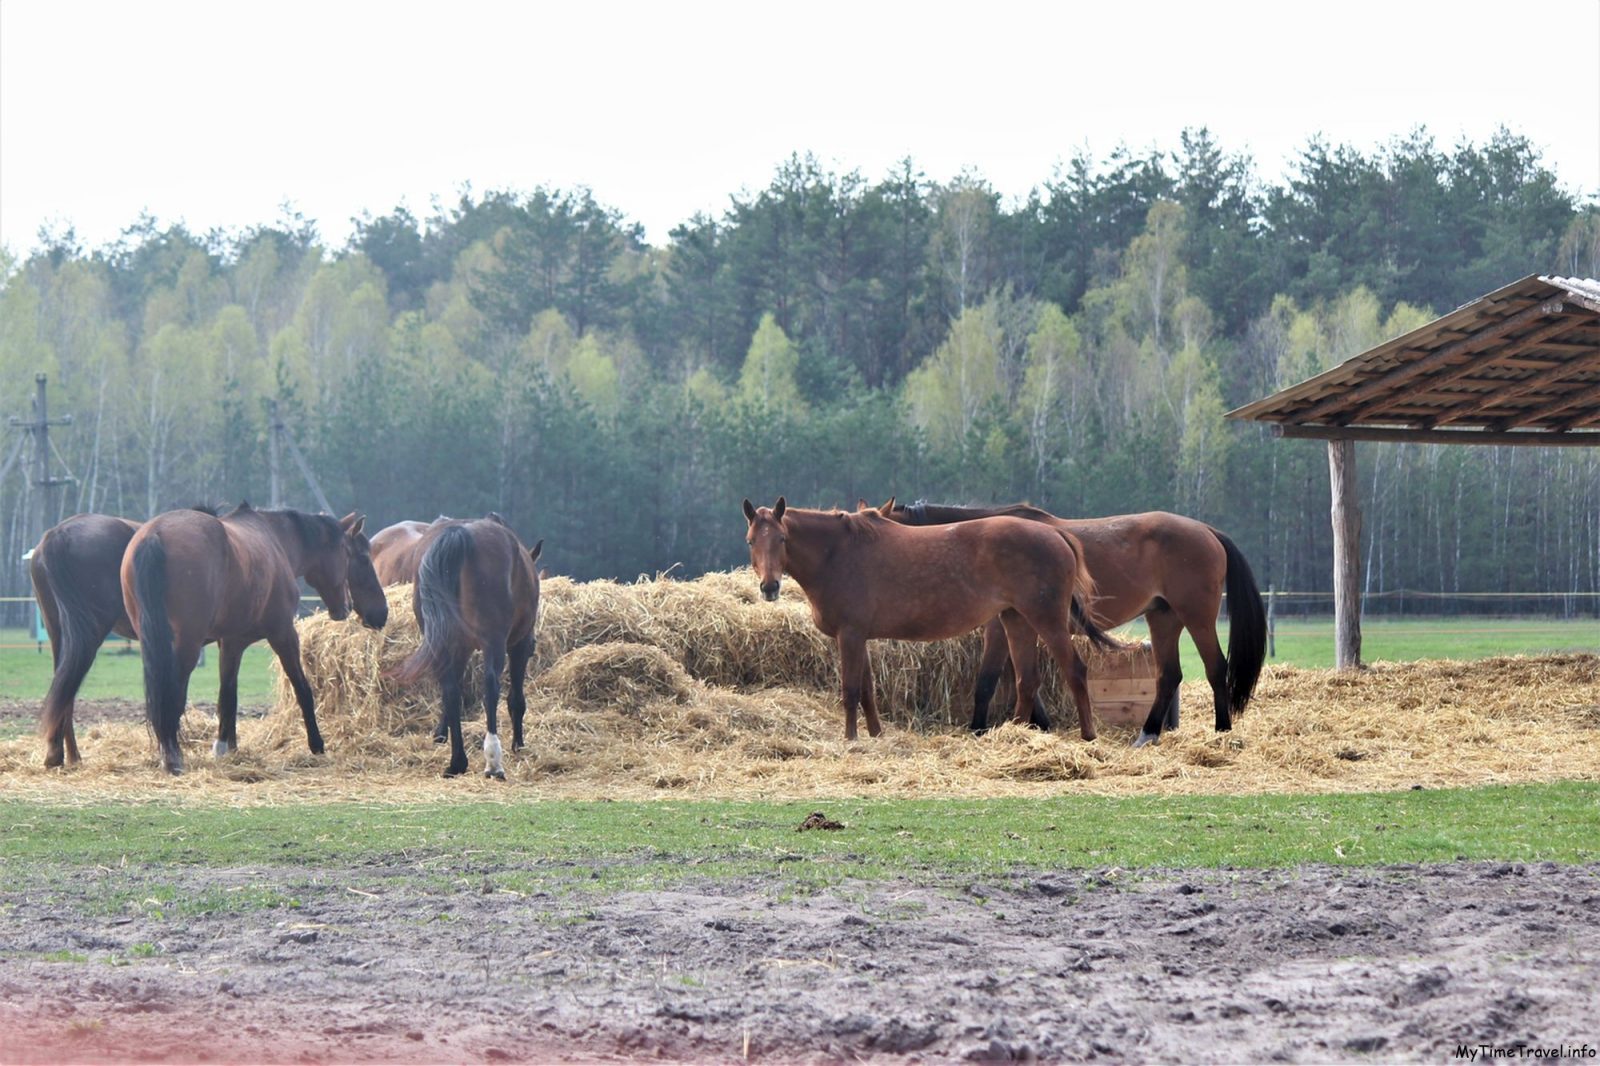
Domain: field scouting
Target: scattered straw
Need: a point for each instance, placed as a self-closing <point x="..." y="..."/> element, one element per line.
<point x="699" y="688"/>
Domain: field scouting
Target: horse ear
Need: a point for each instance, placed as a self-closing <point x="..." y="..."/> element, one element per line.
<point x="352" y="522"/>
<point x="533" y="552"/>
<point x="778" y="509"/>
<point x="861" y="503"/>
<point x="749" y="511"/>
<point x="888" y="507"/>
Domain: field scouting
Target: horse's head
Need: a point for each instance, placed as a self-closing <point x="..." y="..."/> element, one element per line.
<point x="343" y="574"/>
<point x="766" y="539"/>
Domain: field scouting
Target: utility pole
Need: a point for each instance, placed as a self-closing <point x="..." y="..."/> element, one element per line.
<point x="39" y="427"/>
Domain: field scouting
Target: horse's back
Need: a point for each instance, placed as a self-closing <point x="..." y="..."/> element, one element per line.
<point x="498" y="587"/>
<point x="397" y="551"/>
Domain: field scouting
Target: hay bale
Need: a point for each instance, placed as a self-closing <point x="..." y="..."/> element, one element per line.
<point x="619" y="674"/>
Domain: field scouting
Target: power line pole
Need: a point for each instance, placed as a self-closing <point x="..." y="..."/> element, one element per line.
<point x="39" y="428"/>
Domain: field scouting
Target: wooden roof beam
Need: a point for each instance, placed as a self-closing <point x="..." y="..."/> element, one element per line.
<point x="1359" y="395"/>
<point x="1512" y="389"/>
<point x="1581" y="398"/>
<point x="1400" y="435"/>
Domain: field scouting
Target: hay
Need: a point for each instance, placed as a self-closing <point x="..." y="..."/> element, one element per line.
<point x="699" y="688"/>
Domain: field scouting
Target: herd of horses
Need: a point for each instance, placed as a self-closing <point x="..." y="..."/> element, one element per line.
<point x="921" y="572"/>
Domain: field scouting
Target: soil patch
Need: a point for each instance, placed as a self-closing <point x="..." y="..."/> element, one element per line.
<point x="411" y="963"/>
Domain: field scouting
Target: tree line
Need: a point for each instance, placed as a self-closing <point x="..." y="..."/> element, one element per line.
<point x="827" y="337"/>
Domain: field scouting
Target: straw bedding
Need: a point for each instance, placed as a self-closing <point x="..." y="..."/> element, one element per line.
<point x="701" y="688"/>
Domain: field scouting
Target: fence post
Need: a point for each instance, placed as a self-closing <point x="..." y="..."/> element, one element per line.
<point x="1272" y="625"/>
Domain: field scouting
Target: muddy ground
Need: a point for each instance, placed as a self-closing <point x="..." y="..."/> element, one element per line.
<point x="384" y="963"/>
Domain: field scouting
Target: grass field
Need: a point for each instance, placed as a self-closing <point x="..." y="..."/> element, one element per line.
<point x="25" y="670"/>
<point x="613" y="846"/>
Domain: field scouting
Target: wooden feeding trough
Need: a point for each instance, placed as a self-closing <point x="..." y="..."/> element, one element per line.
<point x="1122" y="686"/>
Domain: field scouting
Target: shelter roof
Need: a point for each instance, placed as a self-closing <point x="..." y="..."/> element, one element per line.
<point x="1520" y="365"/>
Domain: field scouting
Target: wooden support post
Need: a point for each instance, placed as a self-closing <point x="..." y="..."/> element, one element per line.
<point x="1272" y="623"/>
<point x="274" y="483"/>
<point x="1346" y="554"/>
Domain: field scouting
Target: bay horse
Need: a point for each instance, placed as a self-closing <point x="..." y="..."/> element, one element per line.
<point x="1167" y="567"/>
<point x="477" y="588"/>
<point x="75" y="571"/>
<point x="189" y="579"/>
<point x="867" y="577"/>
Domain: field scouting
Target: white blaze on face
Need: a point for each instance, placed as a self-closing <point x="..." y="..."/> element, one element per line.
<point x="491" y="753"/>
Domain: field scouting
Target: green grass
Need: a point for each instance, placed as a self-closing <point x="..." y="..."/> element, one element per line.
<point x="118" y="673"/>
<point x="1308" y="642"/>
<point x="614" y="846"/>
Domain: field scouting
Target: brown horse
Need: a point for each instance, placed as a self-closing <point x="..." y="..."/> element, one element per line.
<point x="75" y="571"/>
<point x="1169" y="568"/>
<point x="397" y="549"/>
<point x="189" y="579"/>
<point x="477" y="588"/>
<point x="867" y="577"/>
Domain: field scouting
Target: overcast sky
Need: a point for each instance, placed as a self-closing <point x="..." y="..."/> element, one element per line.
<point x="216" y="113"/>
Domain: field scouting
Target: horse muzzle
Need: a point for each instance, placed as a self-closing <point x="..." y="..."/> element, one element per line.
<point x="376" y="621"/>
<point x="769" y="591"/>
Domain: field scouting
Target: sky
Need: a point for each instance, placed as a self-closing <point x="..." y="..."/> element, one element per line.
<point x="217" y="114"/>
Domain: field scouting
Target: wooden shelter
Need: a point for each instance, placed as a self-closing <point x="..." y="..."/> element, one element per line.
<point x="1519" y="366"/>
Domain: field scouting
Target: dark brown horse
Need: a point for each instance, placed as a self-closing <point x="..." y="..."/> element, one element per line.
<point x="1169" y="568"/>
<point x="867" y="577"/>
<point x="76" y="580"/>
<point x="477" y="588"/>
<point x="189" y="579"/>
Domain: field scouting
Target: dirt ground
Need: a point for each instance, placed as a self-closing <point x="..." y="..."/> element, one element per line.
<point x="1314" y="965"/>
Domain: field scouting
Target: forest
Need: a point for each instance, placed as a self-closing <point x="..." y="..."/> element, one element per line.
<point x="828" y="337"/>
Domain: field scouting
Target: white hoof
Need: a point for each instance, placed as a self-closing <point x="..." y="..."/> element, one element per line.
<point x="220" y="748"/>
<point x="493" y="764"/>
<point x="1146" y="738"/>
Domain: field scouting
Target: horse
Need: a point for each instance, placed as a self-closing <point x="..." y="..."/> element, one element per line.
<point x="477" y="587"/>
<point x="190" y="578"/>
<point x="397" y="549"/>
<point x="75" y="571"/>
<point x="867" y="577"/>
<point x="1167" y="567"/>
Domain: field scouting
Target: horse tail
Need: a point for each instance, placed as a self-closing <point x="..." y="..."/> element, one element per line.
<point x="438" y="596"/>
<point x="1247" y="626"/>
<point x="163" y="685"/>
<point x="1083" y="593"/>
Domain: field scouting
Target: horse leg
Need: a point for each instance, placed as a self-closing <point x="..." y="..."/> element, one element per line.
<point x="1204" y="635"/>
<point x="852" y="664"/>
<point x="494" y="660"/>
<point x="1164" y="630"/>
<point x="869" y="699"/>
<point x="228" y="655"/>
<point x="1057" y="636"/>
<point x="186" y="657"/>
<point x="1024" y="645"/>
<point x="990" y="666"/>
<point x="516" y="699"/>
<point x="286" y="646"/>
<point x="450" y="674"/>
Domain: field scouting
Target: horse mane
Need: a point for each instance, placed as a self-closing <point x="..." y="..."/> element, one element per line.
<point x="314" y="530"/>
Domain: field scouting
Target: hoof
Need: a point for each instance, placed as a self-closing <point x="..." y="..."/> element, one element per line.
<point x="498" y="775"/>
<point x="316" y="746"/>
<point x="1146" y="738"/>
<point x="219" y="748"/>
<point x="440" y="738"/>
<point x="451" y="771"/>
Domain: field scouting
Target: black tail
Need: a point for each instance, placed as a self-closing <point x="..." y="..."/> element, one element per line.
<point x="164" y="690"/>
<point x="1247" y="627"/>
<point x="78" y="625"/>
<point x="438" y="594"/>
<point x="1087" y="626"/>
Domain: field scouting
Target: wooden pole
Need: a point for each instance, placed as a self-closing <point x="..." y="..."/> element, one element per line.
<point x="1272" y="624"/>
<point x="1346" y="554"/>
<point x="275" y="490"/>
